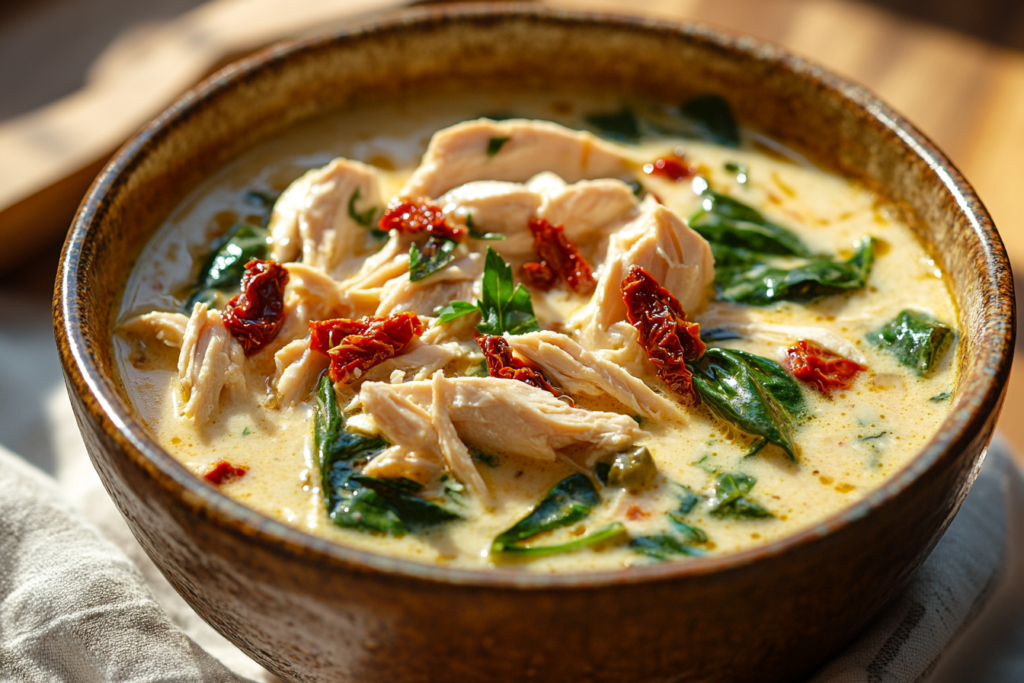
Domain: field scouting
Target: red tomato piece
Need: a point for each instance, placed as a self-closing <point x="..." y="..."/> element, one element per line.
<point x="820" y="367"/>
<point x="559" y="255"/>
<point x="223" y="472"/>
<point x="418" y="216"/>
<point x="665" y="334"/>
<point x="539" y="276"/>
<point x="673" y="167"/>
<point x="255" y="316"/>
<point x="501" y="363"/>
<point x="355" y="346"/>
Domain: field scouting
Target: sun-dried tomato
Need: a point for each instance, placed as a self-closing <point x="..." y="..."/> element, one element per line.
<point x="673" y="167"/>
<point x="223" y="472"/>
<point x="561" y="256"/>
<point x="355" y="346"/>
<point x="539" y="276"/>
<point x="820" y="367"/>
<point x="665" y="334"/>
<point x="255" y="316"/>
<point x="501" y="363"/>
<point x="418" y="216"/>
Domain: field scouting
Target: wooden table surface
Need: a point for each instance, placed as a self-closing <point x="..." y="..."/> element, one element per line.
<point x="965" y="94"/>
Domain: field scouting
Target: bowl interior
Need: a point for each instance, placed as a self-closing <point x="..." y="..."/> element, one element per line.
<point x="836" y="123"/>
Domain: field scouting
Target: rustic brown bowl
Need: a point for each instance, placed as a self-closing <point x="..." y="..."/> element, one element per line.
<point x="310" y="610"/>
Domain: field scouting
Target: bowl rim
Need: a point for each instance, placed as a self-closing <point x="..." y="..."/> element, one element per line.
<point x="979" y="394"/>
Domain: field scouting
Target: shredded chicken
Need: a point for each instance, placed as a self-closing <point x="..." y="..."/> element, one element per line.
<point x="659" y="241"/>
<point x="364" y="290"/>
<point x="578" y="371"/>
<point x="311" y="295"/>
<point x="165" y="328"/>
<point x="312" y="219"/>
<point x="298" y="368"/>
<point x="210" y="362"/>
<point x="465" y="152"/>
<point x="504" y="417"/>
<point x="459" y="281"/>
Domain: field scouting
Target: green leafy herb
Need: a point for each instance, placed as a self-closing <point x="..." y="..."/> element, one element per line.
<point x="663" y="547"/>
<point x="729" y="222"/>
<point x="917" y="339"/>
<point x="504" y="307"/>
<point x="712" y="120"/>
<point x="621" y="125"/>
<point x="762" y="284"/>
<point x="601" y="471"/>
<point x="437" y="253"/>
<point x="687" y="501"/>
<point x="221" y="273"/>
<point x="357" y="501"/>
<point x="636" y="186"/>
<point x="713" y="334"/>
<point x="638" y="419"/>
<point x="489" y="460"/>
<point x="632" y="468"/>
<point x="939" y="398"/>
<point x="873" y="437"/>
<point x="704" y="465"/>
<point x="366" y="218"/>
<point x="246" y="432"/>
<point x="261" y="202"/>
<point x="477" y="235"/>
<point x="494" y="145"/>
<point x="730" y="499"/>
<point x="742" y="174"/>
<point x="568" y="502"/>
<point x="753" y="393"/>
<point x="607" y="533"/>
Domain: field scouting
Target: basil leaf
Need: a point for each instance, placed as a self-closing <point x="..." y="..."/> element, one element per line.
<point x="504" y="306"/>
<point x="357" y="501"/>
<point x="753" y="393"/>
<point x="663" y="547"/>
<point x="569" y="501"/>
<point x="730" y="499"/>
<point x="762" y="284"/>
<point x="455" y="309"/>
<point x="712" y="120"/>
<point x="494" y="145"/>
<point x="917" y="339"/>
<point x="604" y="534"/>
<point x="729" y="222"/>
<point x="366" y="217"/>
<point x="477" y="235"/>
<point x="437" y="253"/>
<point x="220" y="276"/>
<point x="621" y="125"/>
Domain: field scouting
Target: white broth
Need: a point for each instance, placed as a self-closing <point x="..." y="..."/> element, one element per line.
<point x="847" y="442"/>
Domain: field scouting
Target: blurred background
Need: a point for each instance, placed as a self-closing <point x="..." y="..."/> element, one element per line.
<point x="79" y="76"/>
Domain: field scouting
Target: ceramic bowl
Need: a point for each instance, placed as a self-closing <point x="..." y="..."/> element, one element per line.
<point x="310" y="610"/>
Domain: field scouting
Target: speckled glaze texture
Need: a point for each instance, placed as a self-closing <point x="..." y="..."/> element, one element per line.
<point x="313" y="611"/>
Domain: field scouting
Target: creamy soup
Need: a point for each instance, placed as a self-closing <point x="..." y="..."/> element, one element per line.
<point x="573" y="334"/>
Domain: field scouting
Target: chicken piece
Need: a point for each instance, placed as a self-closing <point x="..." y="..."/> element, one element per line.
<point x="364" y="290"/>
<point x="660" y="242"/>
<point x="457" y="282"/>
<point x="465" y="152"/>
<point x="210" y="363"/>
<point x="399" y="461"/>
<point x="312" y="218"/>
<point x="497" y="207"/>
<point x="751" y="326"/>
<point x="311" y="295"/>
<point x="507" y="417"/>
<point x="298" y="369"/>
<point x="165" y="328"/>
<point x="578" y="371"/>
<point x="419" y="359"/>
<point x="589" y="209"/>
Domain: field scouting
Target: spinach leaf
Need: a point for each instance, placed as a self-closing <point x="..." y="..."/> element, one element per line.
<point x="712" y="120"/>
<point x="917" y="339"/>
<point x="504" y="307"/>
<point x="762" y="284"/>
<point x="730" y="499"/>
<point x="713" y="334"/>
<point x="601" y="471"/>
<point x="357" y="501"/>
<point x="729" y="222"/>
<point x="261" y="203"/>
<point x="477" y="235"/>
<point x="606" y="533"/>
<point x="221" y="272"/>
<point x="663" y="547"/>
<point x="569" y="501"/>
<point x="621" y="125"/>
<point x="687" y="501"/>
<point x="437" y="253"/>
<point x="494" y="145"/>
<point x="753" y="393"/>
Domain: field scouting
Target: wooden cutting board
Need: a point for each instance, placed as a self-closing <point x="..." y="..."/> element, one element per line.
<point x="967" y="95"/>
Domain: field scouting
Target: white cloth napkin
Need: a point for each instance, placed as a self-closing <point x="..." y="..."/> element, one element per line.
<point x="81" y="603"/>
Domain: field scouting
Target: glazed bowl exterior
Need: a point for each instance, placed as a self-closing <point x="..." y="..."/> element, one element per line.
<point x="310" y="610"/>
